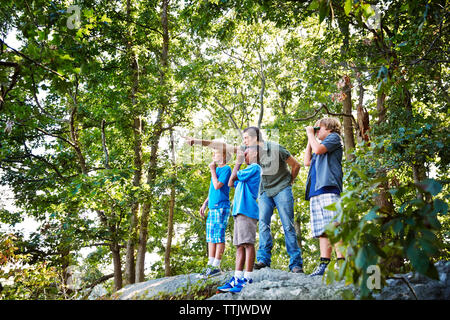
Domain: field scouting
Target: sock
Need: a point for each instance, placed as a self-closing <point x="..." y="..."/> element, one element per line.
<point x="238" y="274"/>
<point x="210" y="261"/>
<point x="248" y="275"/>
<point x="216" y="263"/>
<point x="324" y="260"/>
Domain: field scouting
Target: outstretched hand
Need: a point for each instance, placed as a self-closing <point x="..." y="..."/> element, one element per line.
<point x="188" y="140"/>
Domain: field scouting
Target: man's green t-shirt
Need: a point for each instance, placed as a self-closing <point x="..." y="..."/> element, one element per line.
<point x="276" y="175"/>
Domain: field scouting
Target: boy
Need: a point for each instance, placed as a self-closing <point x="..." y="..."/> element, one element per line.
<point x="324" y="182"/>
<point x="246" y="215"/>
<point x="218" y="202"/>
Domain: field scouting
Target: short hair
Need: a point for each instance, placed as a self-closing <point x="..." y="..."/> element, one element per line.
<point x="254" y="132"/>
<point x="332" y="124"/>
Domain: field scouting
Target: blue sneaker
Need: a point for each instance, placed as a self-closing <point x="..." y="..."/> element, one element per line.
<point x="240" y="284"/>
<point x="320" y="270"/>
<point x="213" y="272"/>
<point x="228" y="286"/>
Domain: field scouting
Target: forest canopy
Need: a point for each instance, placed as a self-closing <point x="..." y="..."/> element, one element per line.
<point x="95" y="97"/>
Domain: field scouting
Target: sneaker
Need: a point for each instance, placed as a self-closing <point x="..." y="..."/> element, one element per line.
<point x="213" y="272"/>
<point x="204" y="273"/>
<point x="259" y="265"/>
<point x="228" y="286"/>
<point x="297" y="269"/>
<point x="240" y="284"/>
<point x="320" y="270"/>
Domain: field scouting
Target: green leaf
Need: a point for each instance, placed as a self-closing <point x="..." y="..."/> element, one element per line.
<point x="372" y="214"/>
<point x="428" y="246"/>
<point x="418" y="258"/>
<point x="434" y="222"/>
<point x="348" y="6"/>
<point x="313" y="5"/>
<point x="367" y="10"/>
<point x="398" y="226"/>
<point x="431" y="186"/>
<point x="440" y="206"/>
<point x="361" y="258"/>
<point x="323" y="10"/>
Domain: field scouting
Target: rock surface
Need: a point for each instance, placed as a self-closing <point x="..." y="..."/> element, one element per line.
<point x="273" y="284"/>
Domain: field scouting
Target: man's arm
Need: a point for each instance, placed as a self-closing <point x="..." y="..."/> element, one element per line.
<point x="211" y="144"/>
<point x="295" y="167"/>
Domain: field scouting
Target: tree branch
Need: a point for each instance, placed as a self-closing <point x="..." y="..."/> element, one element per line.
<point x="324" y="106"/>
<point x="229" y="115"/>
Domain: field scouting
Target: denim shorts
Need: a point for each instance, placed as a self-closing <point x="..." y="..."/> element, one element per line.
<point x="216" y="223"/>
<point x="320" y="217"/>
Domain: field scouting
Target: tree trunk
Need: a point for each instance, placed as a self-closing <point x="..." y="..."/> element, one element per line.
<point x="130" y="267"/>
<point x="154" y="142"/>
<point x="384" y="198"/>
<point x="263" y="89"/>
<point x="115" y="251"/>
<point x="349" y="139"/>
<point x="143" y="230"/>
<point x="171" y="210"/>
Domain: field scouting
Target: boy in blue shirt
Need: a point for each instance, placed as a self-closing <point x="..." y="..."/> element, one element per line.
<point x="246" y="215"/>
<point x="218" y="202"/>
<point x="324" y="182"/>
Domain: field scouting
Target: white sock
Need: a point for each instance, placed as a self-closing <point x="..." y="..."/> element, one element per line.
<point x="248" y="275"/>
<point x="210" y="261"/>
<point x="238" y="274"/>
<point x="216" y="263"/>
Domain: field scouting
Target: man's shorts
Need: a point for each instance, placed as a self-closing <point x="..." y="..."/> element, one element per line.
<point x="320" y="217"/>
<point x="216" y="223"/>
<point x="244" y="230"/>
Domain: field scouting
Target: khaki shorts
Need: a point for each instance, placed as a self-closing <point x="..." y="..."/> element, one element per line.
<point x="244" y="230"/>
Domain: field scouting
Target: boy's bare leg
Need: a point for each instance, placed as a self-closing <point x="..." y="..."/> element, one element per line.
<point x="325" y="247"/>
<point x="220" y="248"/>
<point x="249" y="257"/>
<point x="240" y="258"/>
<point x="212" y="249"/>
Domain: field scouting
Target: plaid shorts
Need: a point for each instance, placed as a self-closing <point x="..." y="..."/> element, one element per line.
<point x="216" y="223"/>
<point x="320" y="217"/>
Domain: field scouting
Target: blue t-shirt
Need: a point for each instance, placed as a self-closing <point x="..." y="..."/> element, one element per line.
<point x="247" y="189"/>
<point x="326" y="169"/>
<point x="312" y="182"/>
<point x="220" y="198"/>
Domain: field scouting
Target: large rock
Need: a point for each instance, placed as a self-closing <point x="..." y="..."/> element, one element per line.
<point x="269" y="284"/>
<point x="272" y="284"/>
<point x="162" y="288"/>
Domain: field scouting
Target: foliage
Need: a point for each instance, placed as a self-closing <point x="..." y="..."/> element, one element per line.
<point x="86" y="111"/>
<point x="23" y="281"/>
